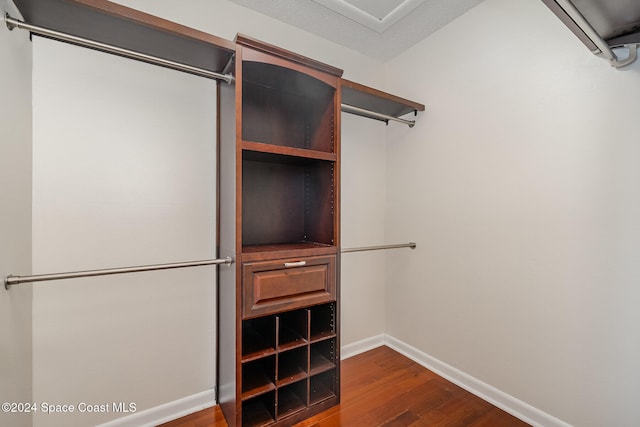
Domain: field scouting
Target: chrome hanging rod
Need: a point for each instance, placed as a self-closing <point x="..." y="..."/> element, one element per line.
<point x="411" y="245"/>
<point x="14" y="23"/>
<point x="372" y="114"/>
<point x="16" y="280"/>
<point x="573" y="13"/>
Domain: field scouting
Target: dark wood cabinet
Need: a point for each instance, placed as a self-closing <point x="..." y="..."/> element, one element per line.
<point x="280" y="152"/>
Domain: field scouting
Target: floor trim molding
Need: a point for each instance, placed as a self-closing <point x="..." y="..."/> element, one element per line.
<point x="502" y="400"/>
<point x="166" y="412"/>
<point x="350" y="350"/>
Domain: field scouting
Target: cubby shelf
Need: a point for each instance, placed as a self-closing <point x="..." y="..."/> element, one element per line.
<point x="259" y="412"/>
<point x="319" y="364"/>
<point x="321" y="387"/>
<point x="255" y="381"/>
<point x="301" y="372"/>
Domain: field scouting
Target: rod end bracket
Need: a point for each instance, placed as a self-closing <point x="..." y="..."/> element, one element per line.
<point x="412" y="245"/>
<point x="8" y="20"/>
<point x="7" y="282"/>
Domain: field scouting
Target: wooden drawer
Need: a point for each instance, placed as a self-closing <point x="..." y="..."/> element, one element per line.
<point x="286" y="284"/>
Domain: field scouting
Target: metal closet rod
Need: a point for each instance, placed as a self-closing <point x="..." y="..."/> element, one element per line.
<point x="372" y="114"/>
<point x="16" y="280"/>
<point x="411" y="245"/>
<point x="14" y="23"/>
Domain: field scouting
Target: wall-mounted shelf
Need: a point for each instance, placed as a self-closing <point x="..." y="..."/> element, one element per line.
<point x="123" y="27"/>
<point x="377" y="102"/>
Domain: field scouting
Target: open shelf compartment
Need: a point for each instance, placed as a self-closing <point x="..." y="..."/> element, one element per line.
<point x="287" y="199"/>
<point x="292" y="366"/>
<point x="285" y="107"/>
<point x="258" y="377"/>
<point x="322" y="322"/>
<point x="322" y="387"/>
<point x="292" y="329"/>
<point x="322" y="356"/>
<point x="291" y="399"/>
<point x="259" y="411"/>
<point x="258" y="338"/>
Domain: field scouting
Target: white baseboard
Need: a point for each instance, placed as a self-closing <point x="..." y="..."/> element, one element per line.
<point x="166" y="412"/>
<point x="502" y="400"/>
<point x="525" y="412"/>
<point x="350" y="350"/>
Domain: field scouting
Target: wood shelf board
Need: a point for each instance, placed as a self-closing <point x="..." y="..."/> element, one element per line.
<point x="258" y="390"/>
<point x="289" y="338"/>
<point x="319" y="364"/>
<point x="293" y="374"/>
<point x="322" y="336"/>
<point x="250" y="356"/>
<point x="286" y="250"/>
<point x="127" y="28"/>
<point x="290" y="345"/>
<point x="295" y="154"/>
<point x="362" y="96"/>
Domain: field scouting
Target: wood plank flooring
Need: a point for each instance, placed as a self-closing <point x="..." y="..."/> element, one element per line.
<point x="385" y="389"/>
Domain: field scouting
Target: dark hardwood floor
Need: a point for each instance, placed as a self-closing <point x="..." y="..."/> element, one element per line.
<point x="383" y="388"/>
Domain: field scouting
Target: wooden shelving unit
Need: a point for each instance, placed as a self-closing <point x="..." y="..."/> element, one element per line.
<point x="281" y="154"/>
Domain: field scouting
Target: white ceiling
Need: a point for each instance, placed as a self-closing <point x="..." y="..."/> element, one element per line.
<point x="381" y="29"/>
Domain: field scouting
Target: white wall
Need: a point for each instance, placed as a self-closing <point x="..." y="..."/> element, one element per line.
<point x="123" y="175"/>
<point x="522" y="177"/>
<point x="363" y="194"/>
<point x="15" y="218"/>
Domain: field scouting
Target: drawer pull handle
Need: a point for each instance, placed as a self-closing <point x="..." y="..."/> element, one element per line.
<point x="295" y="264"/>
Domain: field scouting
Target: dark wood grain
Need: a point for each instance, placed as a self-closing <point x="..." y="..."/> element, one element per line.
<point x="383" y="388"/>
<point x="271" y="287"/>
